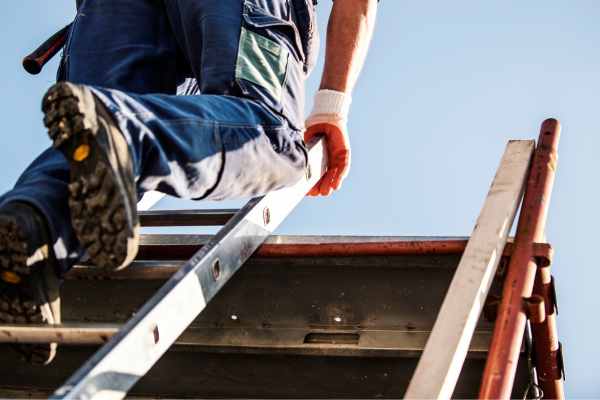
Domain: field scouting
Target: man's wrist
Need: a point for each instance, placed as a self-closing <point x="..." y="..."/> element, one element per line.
<point x="330" y="103"/>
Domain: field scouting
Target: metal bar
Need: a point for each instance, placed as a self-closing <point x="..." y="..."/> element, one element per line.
<point x="254" y="339"/>
<point x="438" y="369"/>
<point x="130" y="354"/>
<point x="186" y="217"/>
<point x="160" y="255"/>
<point x="294" y="250"/>
<point x="436" y="241"/>
<point x="501" y="365"/>
<point x="157" y="270"/>
<point x="81" y="334"/>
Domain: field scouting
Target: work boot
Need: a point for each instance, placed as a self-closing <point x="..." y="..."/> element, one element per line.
<point x="102" y="191"/>
<point x="29" y="277"/>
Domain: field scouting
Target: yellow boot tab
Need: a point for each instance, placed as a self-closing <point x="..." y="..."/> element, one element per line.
<point x="81" y="152"/>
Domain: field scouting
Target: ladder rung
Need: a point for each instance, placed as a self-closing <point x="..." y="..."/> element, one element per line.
<point x="186" y="217"/>
<point x="254" y="339"/>
<point x="61" y="334"/>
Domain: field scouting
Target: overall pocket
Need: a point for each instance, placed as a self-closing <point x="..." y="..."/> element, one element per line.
<point x="270" y="58"/>
<point x="262" y="62"/>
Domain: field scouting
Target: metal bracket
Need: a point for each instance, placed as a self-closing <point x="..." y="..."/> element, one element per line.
<point x="502" y="266"/>
<point x="561" y="360"/>
<point x="552" y="293"/>
<point x="543" y="253"/>
<point x="505" y="259"/>
<point x="533" y="307"/>
<point x="491" y="307"/>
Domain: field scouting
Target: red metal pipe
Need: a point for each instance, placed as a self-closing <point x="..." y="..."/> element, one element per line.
<point x="336" y="249"/>
<point x="501" y="365"/>
<point x="548" y="356"/>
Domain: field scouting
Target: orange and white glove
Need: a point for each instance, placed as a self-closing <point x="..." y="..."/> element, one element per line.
<point x="329" y="115"/>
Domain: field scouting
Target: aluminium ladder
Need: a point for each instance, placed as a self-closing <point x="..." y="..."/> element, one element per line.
<point x="360" y="305"/>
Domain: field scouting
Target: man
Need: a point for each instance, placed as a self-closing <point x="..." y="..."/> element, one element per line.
<point x="195" y="98"/>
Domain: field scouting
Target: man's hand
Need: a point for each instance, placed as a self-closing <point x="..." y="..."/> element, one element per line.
<point x="328" y="116"/>
<point x="339" y="157"/>
<point x="349" y="33"/>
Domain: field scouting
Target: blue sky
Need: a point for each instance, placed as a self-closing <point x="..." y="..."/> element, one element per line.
<point x="445" y="87"/>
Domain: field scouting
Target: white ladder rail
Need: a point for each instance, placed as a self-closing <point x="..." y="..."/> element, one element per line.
<point x="441" y="362"/>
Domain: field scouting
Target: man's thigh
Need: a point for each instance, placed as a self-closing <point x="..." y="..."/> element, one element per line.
<point x="207" y="146"/>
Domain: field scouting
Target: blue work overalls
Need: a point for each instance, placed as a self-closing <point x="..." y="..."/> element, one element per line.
<point x="209" y="95"/>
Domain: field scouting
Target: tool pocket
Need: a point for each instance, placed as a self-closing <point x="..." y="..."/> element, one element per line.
<point x="270" y="59"/>
<point x="262" y="62"/>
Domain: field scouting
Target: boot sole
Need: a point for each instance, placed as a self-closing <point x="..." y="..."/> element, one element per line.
<point x="98" y="200"/>
<point x="18" y="293"/>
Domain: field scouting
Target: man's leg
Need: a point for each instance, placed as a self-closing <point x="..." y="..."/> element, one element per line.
<point x="37" y="242"/>
<point x="126" y="45"/>
<point x="203" y="146"/>
<point x="206" y="146"/>
<point x="44" y="185"/>
<point x="35" y="249"/>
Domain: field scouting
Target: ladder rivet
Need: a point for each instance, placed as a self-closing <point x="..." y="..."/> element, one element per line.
<point x="154" y="335"/>
<point x="308" y="172"/>
<point x="216" y="269"/>
<point x="266" y="216"/>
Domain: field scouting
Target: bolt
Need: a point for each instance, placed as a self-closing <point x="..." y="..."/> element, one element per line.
<point x="216" y="269"/>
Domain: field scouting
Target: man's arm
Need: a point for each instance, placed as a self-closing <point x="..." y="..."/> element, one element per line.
<point x="349" y="33"/>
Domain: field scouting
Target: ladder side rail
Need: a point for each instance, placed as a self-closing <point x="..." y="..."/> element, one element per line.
<point x="441" y="362"/>
<point x="501" y="364"/>
<point x="129" y="355"/>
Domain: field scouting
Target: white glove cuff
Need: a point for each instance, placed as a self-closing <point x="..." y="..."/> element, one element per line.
<point x="331" y="102"/>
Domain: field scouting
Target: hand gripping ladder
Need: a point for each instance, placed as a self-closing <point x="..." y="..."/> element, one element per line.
<point x="115" y="368"/>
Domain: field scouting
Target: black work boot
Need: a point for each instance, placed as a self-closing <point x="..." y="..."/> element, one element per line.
<point x="103" y="195"/>
<point x="29" y="276"/>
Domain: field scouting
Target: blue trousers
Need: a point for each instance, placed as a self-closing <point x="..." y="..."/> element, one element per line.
<point x="208" y="94"/>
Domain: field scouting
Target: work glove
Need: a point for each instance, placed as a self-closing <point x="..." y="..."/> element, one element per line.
<point x="329" y="116"/>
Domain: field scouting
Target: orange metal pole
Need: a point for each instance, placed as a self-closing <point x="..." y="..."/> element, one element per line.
<point x="548" y="354"/>
<point x="339" y="249"/>
<point x="501" y="365"/>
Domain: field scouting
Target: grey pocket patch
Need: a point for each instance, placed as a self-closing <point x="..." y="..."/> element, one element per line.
<point x="261" y="61"/>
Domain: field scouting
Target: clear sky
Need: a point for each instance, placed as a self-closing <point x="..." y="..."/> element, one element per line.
<point x="446" y="85"/>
